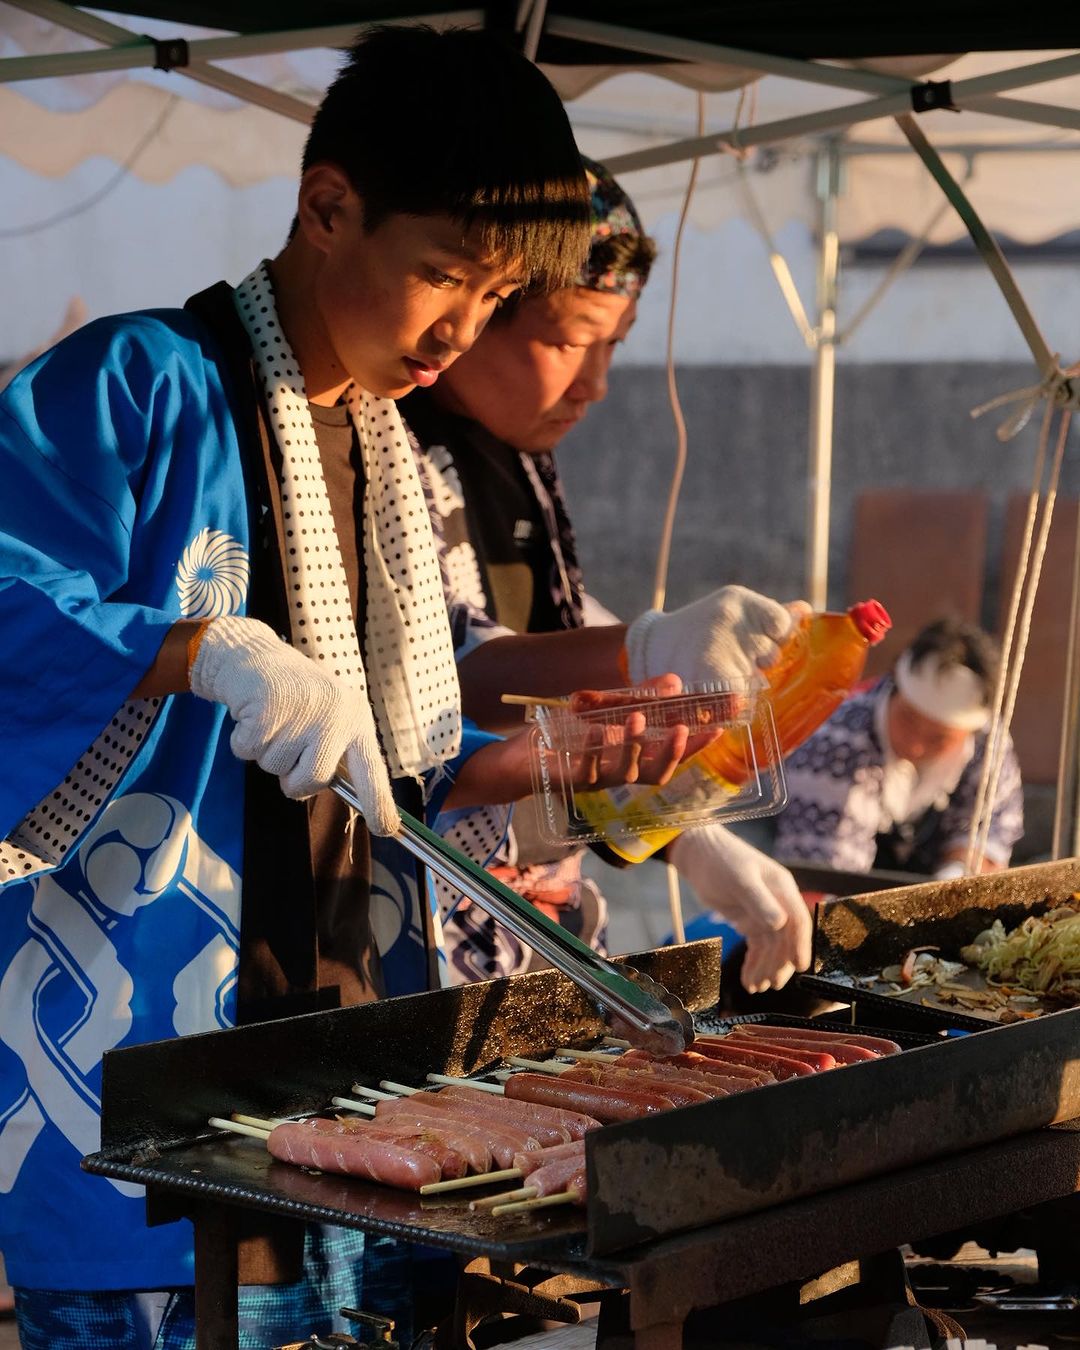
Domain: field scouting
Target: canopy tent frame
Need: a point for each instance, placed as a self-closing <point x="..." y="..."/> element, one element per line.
<point x="890" y="96"/>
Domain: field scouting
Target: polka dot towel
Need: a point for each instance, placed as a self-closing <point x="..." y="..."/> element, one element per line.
<point x="407" y="668"/>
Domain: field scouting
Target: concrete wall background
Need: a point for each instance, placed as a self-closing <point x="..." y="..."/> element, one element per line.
<point x="742" y="512"/>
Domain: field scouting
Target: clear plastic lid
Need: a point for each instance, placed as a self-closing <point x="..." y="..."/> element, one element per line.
<point x="709" y="753"/>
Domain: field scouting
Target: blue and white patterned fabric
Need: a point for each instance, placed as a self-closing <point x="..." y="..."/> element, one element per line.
<point x="834" y="783"/>
<point x="124" y="509"/>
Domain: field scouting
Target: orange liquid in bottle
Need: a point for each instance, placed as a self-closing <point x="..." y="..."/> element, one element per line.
<point x="819" y="664"/>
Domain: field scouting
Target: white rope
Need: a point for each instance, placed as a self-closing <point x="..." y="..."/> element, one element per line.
<point x="663" y="553"/>
<point x="1036" y="570"/>
<point x="1017" y="631"/>
<point x="1058" y="387"/>
<point x="1022" y="560"/>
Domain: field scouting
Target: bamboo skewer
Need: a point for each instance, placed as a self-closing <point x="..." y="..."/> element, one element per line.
<point x="257" y="1121"/>
<point x="595" y="1056"/>
<point x="349" y="1104"/>
<point x="504" y="1198"/>
<point x="448" y="1080"/>
<point x="376" y="1096"/>
<point x="540" y="1202"/>
<point x="534" y="700"/>
<point x="534" y="1065"/>
<point x="477" y="1179"/>
<point x="234" y="1127"/>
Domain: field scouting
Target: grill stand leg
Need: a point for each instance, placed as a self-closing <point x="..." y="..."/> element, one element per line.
<point x="216" y="1278"/>
<point x="660" y="1336"/>
<point x="656" y="1315"/>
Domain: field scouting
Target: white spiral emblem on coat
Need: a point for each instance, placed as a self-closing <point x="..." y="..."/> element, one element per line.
<point x="212" y="577"/>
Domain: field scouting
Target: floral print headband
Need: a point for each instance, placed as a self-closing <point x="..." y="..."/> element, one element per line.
<point x="613" y="214"/>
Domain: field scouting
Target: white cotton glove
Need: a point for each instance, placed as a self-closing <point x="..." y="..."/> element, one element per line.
<point x="293" y="718"/>
<point x="753" y="893"/>
<point x="728" y="634"/>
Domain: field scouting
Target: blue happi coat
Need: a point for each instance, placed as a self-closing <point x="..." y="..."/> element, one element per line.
<point x="126" y="506"/>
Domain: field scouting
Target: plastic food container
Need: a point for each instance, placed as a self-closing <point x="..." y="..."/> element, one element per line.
<point x="730" y="770"/>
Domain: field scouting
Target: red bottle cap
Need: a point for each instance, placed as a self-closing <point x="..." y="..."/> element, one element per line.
<point x="872" y="620"/>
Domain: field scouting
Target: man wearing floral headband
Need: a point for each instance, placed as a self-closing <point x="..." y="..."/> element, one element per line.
<point x="487" y="432"/>
<point x="890" y="781"/>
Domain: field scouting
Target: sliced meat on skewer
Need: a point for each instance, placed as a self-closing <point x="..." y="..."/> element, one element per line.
<point x="353" y="1155"/>
<point x="502" y="1140"/>
<point x="575" y="1123"/>
<point x="878" y="1043"/>
<point x="605" y="1104"/>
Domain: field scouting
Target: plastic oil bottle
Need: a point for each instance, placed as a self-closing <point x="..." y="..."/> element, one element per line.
<point x="819" y="664"/>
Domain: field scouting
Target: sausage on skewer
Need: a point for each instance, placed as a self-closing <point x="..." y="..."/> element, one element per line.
<point x="679" y="1093"/>
<point x="841" y="1052"/>
<point x="816" y="1059"/>
<point x="432" y="1143"/>
<point x="755" y="1077"/>
<point x="353" y="1155"/>
<point x="605" y="1104"/>
<point x="501" y="1140"/>
<point x="575" y="1123"/>
<point x="878" y="1043"/>
<point x="780" y="1066"/>
<point x="489" y="1107"/>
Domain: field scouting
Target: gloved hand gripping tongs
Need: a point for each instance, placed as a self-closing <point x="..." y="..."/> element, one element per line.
<point x="643" y="1010"/>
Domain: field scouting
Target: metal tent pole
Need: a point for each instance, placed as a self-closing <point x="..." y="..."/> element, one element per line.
<point x="822" y="380"/>
<point x="128" y="50"/>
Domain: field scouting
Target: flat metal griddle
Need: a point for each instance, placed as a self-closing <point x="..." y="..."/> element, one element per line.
<point x="668" y="1174"/>
<point x="859" y="935"/>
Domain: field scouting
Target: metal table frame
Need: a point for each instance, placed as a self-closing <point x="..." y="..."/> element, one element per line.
<point x="669" y="1279"/>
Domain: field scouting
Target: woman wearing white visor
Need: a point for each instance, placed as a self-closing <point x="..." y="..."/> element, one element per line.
<point x="890" y="781"/>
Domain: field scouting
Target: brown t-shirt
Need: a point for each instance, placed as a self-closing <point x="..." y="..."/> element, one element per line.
<point x="341" y="855"/>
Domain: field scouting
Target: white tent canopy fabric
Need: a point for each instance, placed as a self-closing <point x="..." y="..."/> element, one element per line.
<point x="49" y="126"/>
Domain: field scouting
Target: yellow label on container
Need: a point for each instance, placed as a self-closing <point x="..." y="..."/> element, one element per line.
<point x="631" y="818"/>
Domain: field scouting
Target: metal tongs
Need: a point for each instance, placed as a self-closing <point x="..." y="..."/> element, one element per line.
<point x="639" y="1007"/>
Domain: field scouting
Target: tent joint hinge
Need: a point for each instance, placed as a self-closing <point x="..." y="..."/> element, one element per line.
<point x="928" y="95"/>
<point x="170" y="53"/>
